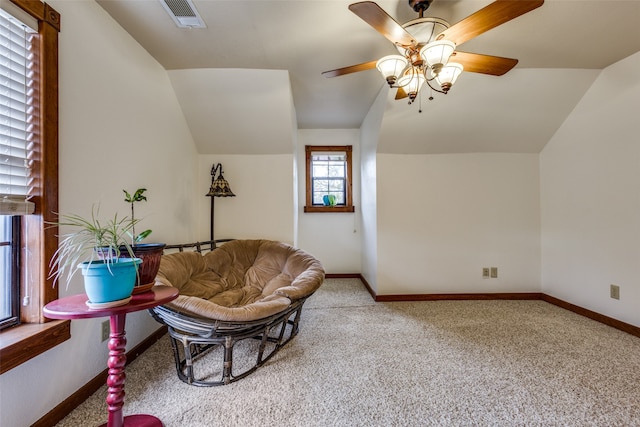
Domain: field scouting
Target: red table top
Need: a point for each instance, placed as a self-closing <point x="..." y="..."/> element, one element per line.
<point x="75" y="306"/>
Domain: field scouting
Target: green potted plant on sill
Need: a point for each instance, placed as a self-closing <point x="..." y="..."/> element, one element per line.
<point x="100" y="249"/>
<point x="149" y="253"/>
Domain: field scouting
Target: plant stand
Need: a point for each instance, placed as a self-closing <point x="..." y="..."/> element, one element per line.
<point x="75" y="307"/>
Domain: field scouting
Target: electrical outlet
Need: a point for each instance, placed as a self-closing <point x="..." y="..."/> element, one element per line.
<point x="494" y="272"/>
<point x="615" y="291"/>
<point x="106" y="330"/>
<point x="485" y="273"/>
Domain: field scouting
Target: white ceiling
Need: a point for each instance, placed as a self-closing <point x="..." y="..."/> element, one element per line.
<point x="259" y="123"/>
<point x="560" y="46"/>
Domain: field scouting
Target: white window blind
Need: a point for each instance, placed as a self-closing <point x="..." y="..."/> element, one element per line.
<point x="16" y="129"/>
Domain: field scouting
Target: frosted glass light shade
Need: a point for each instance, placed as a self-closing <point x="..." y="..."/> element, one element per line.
<point x="448" y="75"/>
<point x="391" y="67"/>
<point x="411" y="83"/>
<point x="437" y="53"/>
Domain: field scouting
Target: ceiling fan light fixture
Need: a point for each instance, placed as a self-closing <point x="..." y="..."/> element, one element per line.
<point x="448" y="75"/>
<point x="391" y="67"/>
<point x="427" y="44"/>
<point x="437" y="53"/>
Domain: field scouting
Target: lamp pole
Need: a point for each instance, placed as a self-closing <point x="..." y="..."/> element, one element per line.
<point x="212" y="192"/>
<point x="212" y="206"/>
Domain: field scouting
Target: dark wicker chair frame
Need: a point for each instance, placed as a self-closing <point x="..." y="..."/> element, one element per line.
<point x="205" y="246"/>
<point x="192" y="337"/>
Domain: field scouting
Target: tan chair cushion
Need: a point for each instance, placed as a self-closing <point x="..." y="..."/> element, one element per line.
<point x="242" y="280"/>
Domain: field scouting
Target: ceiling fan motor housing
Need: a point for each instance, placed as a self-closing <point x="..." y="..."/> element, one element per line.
<point x="424" y="30"/>
<point x="420" y="5"/>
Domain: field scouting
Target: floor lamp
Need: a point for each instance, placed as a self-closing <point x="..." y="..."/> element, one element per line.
<point x="219" y="188"/>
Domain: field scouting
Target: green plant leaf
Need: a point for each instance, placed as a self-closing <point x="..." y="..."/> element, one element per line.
<point x="140" y="237"/>
<point x="92" y="237"/>
<point x="138" y="196"/>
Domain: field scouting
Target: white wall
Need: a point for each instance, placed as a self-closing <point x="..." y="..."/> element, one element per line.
<point x="590" y="184"/>
<point x="369" y="136"/>
<point x="442" y="218"/>
<point x="333" y="238"/>
<point x="270" y="199"/>
<point x="297" y="203"/>
<point x="120" y="128"/>
<point x="263" y="205"/>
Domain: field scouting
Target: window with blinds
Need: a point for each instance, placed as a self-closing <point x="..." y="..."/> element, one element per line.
<point x="16" y="120"/>
<point x="328" y="178"/>
<point x="329" y="175"/>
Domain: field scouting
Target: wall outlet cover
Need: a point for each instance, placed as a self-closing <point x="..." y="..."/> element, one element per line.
<point x="106" y="330"/>
<point x="614" y="291"/>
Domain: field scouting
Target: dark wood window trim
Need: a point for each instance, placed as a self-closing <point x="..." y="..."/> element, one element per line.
<point x="36" y="334"/>
<point x="309" y="150"/>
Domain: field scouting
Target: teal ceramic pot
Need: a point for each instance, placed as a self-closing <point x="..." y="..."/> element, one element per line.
<point x="107" y="283"/>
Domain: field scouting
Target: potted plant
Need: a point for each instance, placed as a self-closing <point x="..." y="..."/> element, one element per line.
<point x="101" y="250"/>
<point x="149" y="253"/>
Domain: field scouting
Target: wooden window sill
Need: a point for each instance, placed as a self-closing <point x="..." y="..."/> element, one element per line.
<point x="26" y="341"/>
<point x="329" y="209"/>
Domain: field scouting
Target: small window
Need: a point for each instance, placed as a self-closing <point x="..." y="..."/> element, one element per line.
<point x="9" y="270"/>
<point x="328" y="176"/>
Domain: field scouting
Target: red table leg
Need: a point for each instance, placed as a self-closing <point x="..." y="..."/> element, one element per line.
<point x="116" y="378"/>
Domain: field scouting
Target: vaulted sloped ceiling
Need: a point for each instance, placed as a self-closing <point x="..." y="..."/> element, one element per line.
<point x="561" y="47"/>
<point x="517" y="113"/>
<point x="231" y="111"/>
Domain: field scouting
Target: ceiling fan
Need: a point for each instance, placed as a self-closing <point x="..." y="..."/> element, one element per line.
<point x="427" y="46"/>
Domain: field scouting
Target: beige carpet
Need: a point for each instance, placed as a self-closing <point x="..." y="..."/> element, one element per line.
<point x="446" y="363"/>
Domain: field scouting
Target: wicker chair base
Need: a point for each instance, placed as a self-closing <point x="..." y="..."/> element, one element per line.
<point x="192" y="339"/>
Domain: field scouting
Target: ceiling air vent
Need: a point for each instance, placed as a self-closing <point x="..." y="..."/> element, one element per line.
<point x="184" y="13"/>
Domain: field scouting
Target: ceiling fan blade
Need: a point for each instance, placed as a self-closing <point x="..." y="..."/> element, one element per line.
<point x="484" y="64"/>
<point x="497" y="13"/>
<point x="401" y="94"/>
<point x="375" y="16"/>
<point x="351" y="69"/>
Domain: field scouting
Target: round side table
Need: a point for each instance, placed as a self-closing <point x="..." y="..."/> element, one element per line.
<point x="75" y="307"/>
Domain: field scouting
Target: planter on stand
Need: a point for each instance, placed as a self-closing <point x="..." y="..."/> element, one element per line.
<point x="150" y="254"/>
<point x="109" y="284"/>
